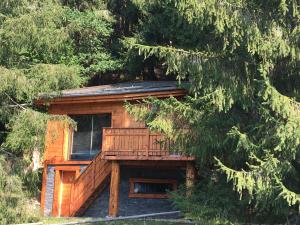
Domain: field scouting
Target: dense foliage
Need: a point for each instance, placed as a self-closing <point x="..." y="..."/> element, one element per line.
<point x="238" y="59"/>
<point x="45" y="47"/>
<point x="242" y="117"/>
<point x="14" y="206"/>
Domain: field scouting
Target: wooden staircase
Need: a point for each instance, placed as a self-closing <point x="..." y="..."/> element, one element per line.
<point x="91" y="182"/>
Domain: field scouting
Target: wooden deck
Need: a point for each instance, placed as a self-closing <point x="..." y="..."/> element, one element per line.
<point x="137" y="144"/>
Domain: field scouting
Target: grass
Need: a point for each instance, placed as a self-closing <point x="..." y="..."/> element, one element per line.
<point x="51" y="220"/>
<point x="57" y="220"/>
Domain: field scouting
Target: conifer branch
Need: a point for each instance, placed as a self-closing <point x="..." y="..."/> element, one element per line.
<point x="16" y="104"/>
<point x="170" y="49"/>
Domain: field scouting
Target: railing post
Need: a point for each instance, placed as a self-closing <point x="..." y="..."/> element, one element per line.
<point x="148" y="142"/>
<point x="94" y="174"/>
<point x="167" y="146"/>
<point x="103" y="147"/>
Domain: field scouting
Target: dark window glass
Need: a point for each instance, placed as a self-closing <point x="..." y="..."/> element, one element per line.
<point x="152" y="188"/>
<point x="87" y="139"/>
<point x="99" y="121"/>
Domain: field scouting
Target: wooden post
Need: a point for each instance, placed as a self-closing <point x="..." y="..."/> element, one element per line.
<point x="104" y="141"/>
<point x="190" y="176"/>
<point x="148" y="142"/>
<point x="94" y="174"/>
<point x="114" y="189"/>
<point x="43" y="192"/>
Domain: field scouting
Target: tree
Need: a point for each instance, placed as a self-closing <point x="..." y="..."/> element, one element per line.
<point x="45" y="47"/>
<point x="241" y="59"/>
<point x="14" y="206"/>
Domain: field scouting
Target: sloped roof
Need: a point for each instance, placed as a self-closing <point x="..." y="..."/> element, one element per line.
<point x="122" y="88"/>
<point x="113" y="92"/>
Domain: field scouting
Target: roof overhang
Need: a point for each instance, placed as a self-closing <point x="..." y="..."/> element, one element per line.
<point x="81" y="96"/>
<point x="111" y="97"/>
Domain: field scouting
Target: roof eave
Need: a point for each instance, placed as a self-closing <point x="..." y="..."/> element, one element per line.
<point x="110" y="98"/>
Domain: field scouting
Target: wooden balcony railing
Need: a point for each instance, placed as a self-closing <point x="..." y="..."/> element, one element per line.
<point x="134" y="142"/>
<point x="89" y="181"/>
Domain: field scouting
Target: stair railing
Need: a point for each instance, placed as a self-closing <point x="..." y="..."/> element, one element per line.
<point x="88" y="182"/>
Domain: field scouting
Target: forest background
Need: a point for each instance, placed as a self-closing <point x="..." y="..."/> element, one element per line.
<point x="242" y="63"/>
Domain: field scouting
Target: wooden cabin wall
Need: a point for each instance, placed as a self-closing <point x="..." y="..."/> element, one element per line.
<point x="57" y="146"/>
<point x="57" y="141"/>
<point x="57" y="149"/>
<point x="55" y="190"/>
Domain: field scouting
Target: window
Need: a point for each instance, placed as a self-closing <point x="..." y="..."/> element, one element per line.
<point x="151" y="188"/>
<point x="87" y="139"/>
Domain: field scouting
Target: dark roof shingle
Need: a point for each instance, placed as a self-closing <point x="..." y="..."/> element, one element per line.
<point x="122" y="88"/>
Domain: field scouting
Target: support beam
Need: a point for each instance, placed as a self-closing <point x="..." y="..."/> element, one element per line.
<point x="190" y="176"/>
<point x="43" y="192"/>
<point x="114" y="189"/>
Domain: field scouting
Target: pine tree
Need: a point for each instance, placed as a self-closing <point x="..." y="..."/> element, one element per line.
<point x="45" y="47"/>
<point x="241" y="60"/>
<point x="14" y="206"/>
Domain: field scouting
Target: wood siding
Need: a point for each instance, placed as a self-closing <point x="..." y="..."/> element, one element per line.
<point x="67" y="180"/>
<point x="132" y="142"/>
<point x="127" y="139"/>
<point x="56" y="144"/>
<point x="58" y="134"/>
<point x="137" y="144"/>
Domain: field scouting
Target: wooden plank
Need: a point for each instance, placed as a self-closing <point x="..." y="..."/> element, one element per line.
<point x="93" y="176"/>
<point x="107" y="156"/>
<point x="63" y="162"/>
<point x="114" y="189"/>
<point x="86" y="185"/>
<point x="154" y="164"/>
<point x="67" y="181"/>
<point x="67" y="168"/>
<point x="54" y="141"/>
<point x="67" y="145"/>
<point x="43" y="191"/>
<point x="137" y="144"/>
<point x="87" y="108"/>
<point x="130" y="121"/>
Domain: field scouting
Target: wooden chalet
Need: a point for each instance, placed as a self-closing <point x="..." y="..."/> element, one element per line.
<point x="111" y="165"/>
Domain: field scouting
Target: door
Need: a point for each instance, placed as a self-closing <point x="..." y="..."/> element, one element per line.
<point x="67" y="178"/>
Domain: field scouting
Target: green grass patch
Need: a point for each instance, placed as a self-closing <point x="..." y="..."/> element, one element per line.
<point x="53" y="220"/>
<point x="57" y="220"/>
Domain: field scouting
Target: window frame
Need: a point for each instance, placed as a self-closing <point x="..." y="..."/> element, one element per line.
<point x="132" y="181"/>
<point x="71" y="136"/>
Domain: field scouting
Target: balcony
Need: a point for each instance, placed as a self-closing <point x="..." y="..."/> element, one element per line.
<point x="137" y="144"/>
